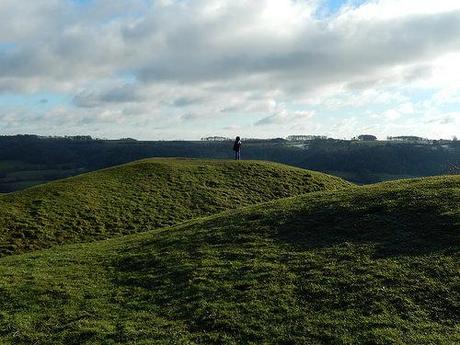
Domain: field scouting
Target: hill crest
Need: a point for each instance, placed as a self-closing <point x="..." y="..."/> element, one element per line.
<point x="144" y="195"/>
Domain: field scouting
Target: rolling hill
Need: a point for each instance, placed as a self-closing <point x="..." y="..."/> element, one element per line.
<point x="141" y="196"/>
<point x="370" y="265"/>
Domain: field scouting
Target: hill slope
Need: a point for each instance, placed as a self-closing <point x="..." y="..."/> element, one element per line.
<point x="370" y="265"/>
<point x="143" y="195"/>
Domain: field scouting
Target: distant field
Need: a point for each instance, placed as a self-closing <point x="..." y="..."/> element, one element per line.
<point x="17" y="175"/>
<point x="363" y="265"/>
<point x="11" y="166"/>
<point x="27" y="160"/>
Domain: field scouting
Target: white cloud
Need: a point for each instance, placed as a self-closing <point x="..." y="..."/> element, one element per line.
<point x="406" y="108"/>
<point x="165" y="61"/>
<point x="392" y="114"/>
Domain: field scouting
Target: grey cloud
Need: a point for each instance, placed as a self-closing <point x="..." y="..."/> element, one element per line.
<point x="122" y="94"/>
<point x="318" y="57"/>
<point x="179" y="44"/>
<point x="418" y="72"/>
<point x="443" y="120"/>
<point x="361" y="84"/>
<point x="25" y="62"/>
<point x="269" y="120"/>
<point x="189" y="117"/>
<point x="186" y="101"/>
<point x="230" y="109"/>
<point x="283" y="117"/>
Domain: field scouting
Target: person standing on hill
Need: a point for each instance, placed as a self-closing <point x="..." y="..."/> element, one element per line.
<point x="237" y="148"/>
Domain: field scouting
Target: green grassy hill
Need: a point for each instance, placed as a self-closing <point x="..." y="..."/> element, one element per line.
<point x="142" y="196"/>
<point x="369" y="265"/>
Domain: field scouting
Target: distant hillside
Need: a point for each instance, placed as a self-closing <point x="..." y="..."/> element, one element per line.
<point x="141" y="196"/>
<point x="368" y="265"/>
<point x="31" y="160"/>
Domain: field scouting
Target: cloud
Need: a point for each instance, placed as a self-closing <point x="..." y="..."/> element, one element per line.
<point x="121" y="94"/>
<point x="186" y="101"/>
<point x="283" y="117"/>
<point x="406" y="108"/>
<point x="189" y="117"/>
<point x="197" y="41"/>
<point x="216" y="58"/>
<point x="445" y="119"/>
<point x="391" y="114"/>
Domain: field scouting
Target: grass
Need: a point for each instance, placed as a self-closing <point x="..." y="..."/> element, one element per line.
<point x="370" y="265"/>
<point x="369" y="178"/>
<point x="142" y="196"/>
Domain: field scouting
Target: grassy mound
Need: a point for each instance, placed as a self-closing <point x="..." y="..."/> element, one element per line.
<point x="370" y="265"/>
<point x="143" y="195"/>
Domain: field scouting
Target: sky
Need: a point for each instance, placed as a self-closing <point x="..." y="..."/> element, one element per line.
<point x="185" y="69"/>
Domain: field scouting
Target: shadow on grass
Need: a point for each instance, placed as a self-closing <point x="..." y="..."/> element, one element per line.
<point x="392" y="232"/>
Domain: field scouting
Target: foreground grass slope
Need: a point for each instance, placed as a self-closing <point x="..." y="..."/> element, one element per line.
<point x="143" y="195"/>
<point x="370" y="265"/>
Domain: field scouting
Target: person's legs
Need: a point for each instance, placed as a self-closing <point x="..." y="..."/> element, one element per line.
<point x="238" y="155"/>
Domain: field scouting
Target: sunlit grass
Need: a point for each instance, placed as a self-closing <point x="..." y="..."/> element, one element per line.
<point x="141" y="196"/>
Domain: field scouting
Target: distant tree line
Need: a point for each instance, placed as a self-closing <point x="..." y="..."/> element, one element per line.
<point x="359" y="161"/>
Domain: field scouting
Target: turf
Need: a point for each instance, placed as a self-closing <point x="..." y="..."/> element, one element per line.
<point x="370" y="265"/>
<point x="143" y="195"/>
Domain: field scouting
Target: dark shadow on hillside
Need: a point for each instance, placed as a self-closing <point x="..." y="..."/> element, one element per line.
<point x="192" y="273"/>
<point x="393" y="232"/>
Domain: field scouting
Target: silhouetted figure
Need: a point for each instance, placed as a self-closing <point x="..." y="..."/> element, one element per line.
<point x="237" y="148"/>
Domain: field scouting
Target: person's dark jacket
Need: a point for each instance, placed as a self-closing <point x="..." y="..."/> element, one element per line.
<point x="237" y="146"/>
